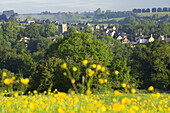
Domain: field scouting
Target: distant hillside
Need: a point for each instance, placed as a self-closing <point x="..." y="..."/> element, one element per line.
<point x="160" y="14"/>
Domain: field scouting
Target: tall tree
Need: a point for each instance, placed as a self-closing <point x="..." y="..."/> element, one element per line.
<point x="151" y="64"/>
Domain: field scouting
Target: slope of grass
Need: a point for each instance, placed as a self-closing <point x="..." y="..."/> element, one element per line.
<point x="160" y="14"/>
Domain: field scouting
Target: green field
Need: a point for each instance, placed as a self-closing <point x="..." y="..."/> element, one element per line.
<point x="160" y="14"/>
<point x="110" y="102"/>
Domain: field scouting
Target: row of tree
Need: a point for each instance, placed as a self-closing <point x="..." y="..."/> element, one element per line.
<point x="148" y="10"/>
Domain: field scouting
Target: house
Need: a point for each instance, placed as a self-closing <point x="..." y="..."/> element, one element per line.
<point x="125" y="40"/>
<point x="105" y="26"/>
<point x="143" y="39"/>
<point x="119" y="37"/>
<point x="29" y="21"/>
<point x="165" y="37"/>
<point x="96" y="27"/>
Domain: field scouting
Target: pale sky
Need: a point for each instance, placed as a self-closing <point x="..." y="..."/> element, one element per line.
<point x="37" y="6"/>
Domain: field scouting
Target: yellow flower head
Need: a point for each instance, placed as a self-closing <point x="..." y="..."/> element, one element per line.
<point x="101" y="81"/>
<point x="7" y="81"/>
<point x="116" y="92"/>
<point x="62" y="94"/>
<point x="73" y="81"/>
<point x="85" y="62"/>
<point x="91" y="72"/>
<point x="11" y="110"/>
<point x="74" y="69"/>
<point x="94" y="65"/>
<point x="8" y="103"/>
<point x="98" y="67"/>
<point x="151" y="88"/>
<point x="25" y="81"/>
<point x="53" y="100"/>
<point x="43" y="106"/>
<point x="103" y="69"/>
<point x="64" y="65"/>
<point x="124" y="85"/>
<point x="88" y="92"/>
<point x="35" y="92"/>
<point x="16" y="94"/>
<point x="4" y="74"/>
<point x="133" y="91"/>
<point x="116" y="72"/>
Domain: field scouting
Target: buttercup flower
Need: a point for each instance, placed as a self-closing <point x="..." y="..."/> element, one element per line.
<point x="85" y="62"/>
<point x="74" y="69"/>
<point x="7" y="81"/>
<point x="151" y="88"/>
<point x="4" y="74"/>
<point x="116" y="72"/>
<point x="64" y="65"/>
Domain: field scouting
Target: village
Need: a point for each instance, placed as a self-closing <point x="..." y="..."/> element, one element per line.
<point x="108" y="30"/>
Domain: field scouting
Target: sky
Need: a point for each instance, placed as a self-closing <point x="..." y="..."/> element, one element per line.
<point x="37" y="6"/>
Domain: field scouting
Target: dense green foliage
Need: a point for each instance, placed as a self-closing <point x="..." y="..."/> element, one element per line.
<point x="151" y="64"/>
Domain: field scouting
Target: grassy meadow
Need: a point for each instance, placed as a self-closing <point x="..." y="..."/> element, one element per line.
<point x="109" y="102"/>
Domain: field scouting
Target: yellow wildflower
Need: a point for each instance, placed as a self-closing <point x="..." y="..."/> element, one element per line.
<point x="74" y="69"/>
<point x="85" y="62"/>
<point x="25" y="81"/>
<point x="88" y="92"/>
<point x="16" y="94"/>
<point x="101" y="81"/>
<point x="151" y="88"/>
<point x="7" y="81"/>
<point x="8" y="103"/>
<point x="105" y="80"/>
<point x="94" y="65"/>
<point x="73" y="81"/>
<point x="103" y="69"/>
<point x="11" y="110"/>
<point x="116" y="72"/>
<point x="124" y="85"/>
<point x="64" y="65"/>
<point x="61" y="94"/>
<point x="133" y="91"/>
<point x="103" y="109"/>
<point x="98" y="67"/>
<point x="53" y="100"/>
<point x="4" y="74"/>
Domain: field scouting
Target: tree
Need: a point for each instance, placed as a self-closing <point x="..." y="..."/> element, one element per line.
<point x="98" y="11"/>
<point x="153" y="9"/>
<point x="38" y="44"/>
<point x="143" y="10"/>
<point x="77" y="46"/>
<point x="148" y="10"/>
<point x="32" y="31"/>
<point x="47" y="30"/>
<point x="49" y="76"/>
<point x="3" y="18"/>
<point x="159" y="10"/>
<point x="151" y="64"/>
<point x="10" y="31"/>
<point x="165" y="9"/>
<point x="87" y="29"/>
<point x="12" y="18"/>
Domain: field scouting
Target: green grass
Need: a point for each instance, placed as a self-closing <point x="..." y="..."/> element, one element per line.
<point x="151" y="14"/>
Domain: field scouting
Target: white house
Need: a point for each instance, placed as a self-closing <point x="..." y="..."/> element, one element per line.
<point x="143" y="39"/>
